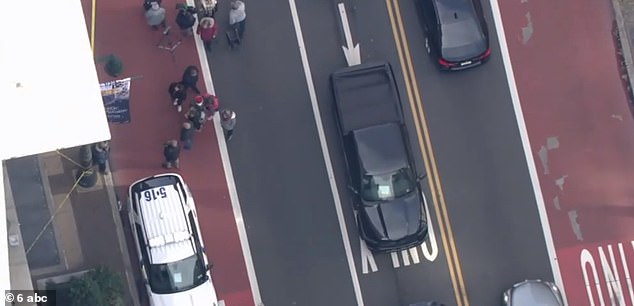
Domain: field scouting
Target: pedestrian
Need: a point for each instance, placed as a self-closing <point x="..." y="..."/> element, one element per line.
<point x="147" y="4"/>
<point x="196" y="114"/>
<point x="228" y="122"/>
<point x="208" y="29"/>
<point x="100" y="154"/>
<point x="238" y="16"/>
<point x="155" y="16"/>
<point x="171" y="152"/>
<point x="187" y="135"/>
<point x="185" y="19"/>
<point x="190" y="78"/>
<point x="178" y="94"/>
<point x="212" y="104"/>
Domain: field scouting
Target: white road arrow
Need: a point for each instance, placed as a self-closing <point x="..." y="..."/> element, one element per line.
<point x="351" y="51"/>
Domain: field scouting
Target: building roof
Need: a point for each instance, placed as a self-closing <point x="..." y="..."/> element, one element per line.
<point x="49" y="87"/>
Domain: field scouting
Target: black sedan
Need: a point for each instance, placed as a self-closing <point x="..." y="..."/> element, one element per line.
<point x="456" y="33"/>
<point x="388" y="199"/>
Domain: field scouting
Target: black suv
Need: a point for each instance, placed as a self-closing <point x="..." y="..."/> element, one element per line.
<point x="457" y="35"/>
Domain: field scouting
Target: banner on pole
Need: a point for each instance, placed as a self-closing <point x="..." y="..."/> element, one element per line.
<point x="116" y="99"/>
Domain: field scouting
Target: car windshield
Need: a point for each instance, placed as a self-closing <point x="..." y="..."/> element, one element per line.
<point x="177" y="276"/>
<point x="387" y="186"/>
<point x="531" y="293"/>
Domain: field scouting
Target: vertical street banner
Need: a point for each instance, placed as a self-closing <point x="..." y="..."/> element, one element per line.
<point x="116" y="99"/>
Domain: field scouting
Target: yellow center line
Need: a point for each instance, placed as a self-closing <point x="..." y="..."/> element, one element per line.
<point x="428" y="155"/>
<point x="92" y="25"/>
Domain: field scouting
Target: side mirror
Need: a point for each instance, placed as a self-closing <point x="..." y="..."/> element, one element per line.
<point x="421" y="177"/>
<point x="209" y="266"/>
<point x="352" y="189"/>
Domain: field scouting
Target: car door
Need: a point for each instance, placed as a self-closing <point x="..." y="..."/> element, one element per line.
<point x="431" y="24"/>
<point x="354" y="169"/>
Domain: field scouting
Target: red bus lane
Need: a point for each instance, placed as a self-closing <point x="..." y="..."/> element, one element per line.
<point x="582" y="136"/>
<point x="137" y="146"/>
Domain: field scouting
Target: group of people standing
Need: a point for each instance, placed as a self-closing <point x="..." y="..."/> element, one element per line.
<point x="202" y="108"/>
<point x="207" y="28"/>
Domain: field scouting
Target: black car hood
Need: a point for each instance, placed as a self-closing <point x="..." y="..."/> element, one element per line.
<point x="395" y="219"/>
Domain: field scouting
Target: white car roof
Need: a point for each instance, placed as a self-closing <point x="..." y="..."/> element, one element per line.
<point x="167" y="229"/>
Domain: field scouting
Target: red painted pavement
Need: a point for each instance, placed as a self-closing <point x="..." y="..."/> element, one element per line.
<point x="137" y="146"/>
<point x="570" y="88"/>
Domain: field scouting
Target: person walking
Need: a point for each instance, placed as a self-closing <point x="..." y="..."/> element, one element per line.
<point x="187" y="135"/>
<point x="228" y="122"/>
<point x="238" y="16"/>
<point x="178" y="94"/>
<point x="171" y="152"/>
<point x="155" y="16"/>
<point x="147" y="4"/>
<point x="100" y="154"/>
<point x="207" y="29"/>
<point x="190" y="78"/>
<point x="196" y="114"/>
<point x="185" y="19"/>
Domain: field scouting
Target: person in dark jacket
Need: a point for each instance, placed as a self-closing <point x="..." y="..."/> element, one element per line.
<point x="178" y="93"/>
<point x="185" y="19"/>
<point x="187" y="135"/>
<point x="196" y="114"/>
<point x="100" y="154"/>
<point x="171" y="152"/>
<point x="190" y="78"/>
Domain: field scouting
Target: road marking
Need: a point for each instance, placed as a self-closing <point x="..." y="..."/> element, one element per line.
<point x="530" y="161"/>
<point x="350" y="50"/>
<point x="453" y="262"/>
<point x="431" y="236"/>
<point x="367" y="258"/>
<point x="325" y="153"/>
<point x="92" y="25"/>
<point x="226" y="165"/>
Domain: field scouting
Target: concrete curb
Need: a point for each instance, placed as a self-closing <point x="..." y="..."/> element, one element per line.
<point x="114" y="206"/>
<point x="625" y="42"/>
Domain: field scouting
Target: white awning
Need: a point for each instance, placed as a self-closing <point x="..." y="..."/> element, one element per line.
<point x="49" y="92"/>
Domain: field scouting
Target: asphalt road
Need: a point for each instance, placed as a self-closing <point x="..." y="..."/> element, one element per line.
<point x="277" y="160"/>
<point x="283" y="185"/>
<point x="482" y="167"/>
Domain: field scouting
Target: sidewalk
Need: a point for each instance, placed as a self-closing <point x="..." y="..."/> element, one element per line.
<point x="86" y="230"/>
<point x="137" y="146"/>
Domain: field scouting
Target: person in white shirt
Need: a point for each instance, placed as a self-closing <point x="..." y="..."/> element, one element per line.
<point x="238" y="16"/>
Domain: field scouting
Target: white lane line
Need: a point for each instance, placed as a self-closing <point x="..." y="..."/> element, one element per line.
<point x="226" y="164"/>
<point x="530" y="161"/>
<point x="326" y="154"/>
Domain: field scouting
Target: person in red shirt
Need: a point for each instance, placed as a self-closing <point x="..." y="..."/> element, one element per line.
<point x="207" y="29"/>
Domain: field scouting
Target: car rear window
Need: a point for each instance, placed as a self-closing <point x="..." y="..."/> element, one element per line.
<point x="461" y="40"/>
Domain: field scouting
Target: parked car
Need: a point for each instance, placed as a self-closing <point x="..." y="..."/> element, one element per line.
<point x="171" y="252"/>
<point x="386" y="193"/>
<point x="531" y="293"/>
<point x="456" y="33"/>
